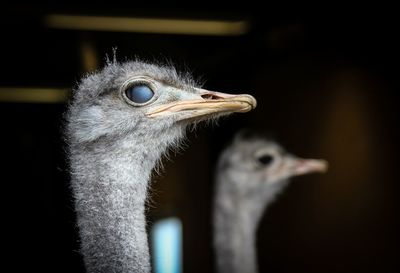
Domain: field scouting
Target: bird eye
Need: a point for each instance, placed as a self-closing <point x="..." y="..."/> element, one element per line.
<point x="265" y="159"/>
<point x="140" y="93"/>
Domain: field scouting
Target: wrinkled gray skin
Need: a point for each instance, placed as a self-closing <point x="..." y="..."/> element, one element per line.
<point x="244" y="189"/>
<point x="113" y="147"/>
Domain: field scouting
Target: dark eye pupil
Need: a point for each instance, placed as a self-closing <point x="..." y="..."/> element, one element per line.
<point x="139" y="93"/>
<point x="265" y="159"/>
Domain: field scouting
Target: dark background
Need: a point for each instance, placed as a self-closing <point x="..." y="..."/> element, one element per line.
<point x="327" y="86"/>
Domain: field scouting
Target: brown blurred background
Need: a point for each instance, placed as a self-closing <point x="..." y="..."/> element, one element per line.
<point x="327" y="87"/>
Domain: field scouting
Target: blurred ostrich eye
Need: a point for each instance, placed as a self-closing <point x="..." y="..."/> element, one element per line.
<point x="139" y="93"/>
<point x="265" y="159"/>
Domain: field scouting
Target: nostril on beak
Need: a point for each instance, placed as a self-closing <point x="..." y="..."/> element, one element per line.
<point x="210" y="97"/>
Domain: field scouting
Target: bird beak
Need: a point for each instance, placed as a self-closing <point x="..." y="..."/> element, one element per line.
<point x="302" y="166"/>
<point x="205" y="103"/>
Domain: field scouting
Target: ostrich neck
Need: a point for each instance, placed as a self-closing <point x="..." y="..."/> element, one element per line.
<point x="109" y="182"/>
<point x="236" y="219"/>
<point x="234" y="239"/>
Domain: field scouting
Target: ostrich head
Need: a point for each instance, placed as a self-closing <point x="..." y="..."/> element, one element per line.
<point x="148" y="99"/>
<point x="256" y="169"/>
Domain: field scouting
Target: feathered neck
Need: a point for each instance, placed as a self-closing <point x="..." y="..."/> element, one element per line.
<point x="110" y="183"/>
<point x="236" y="218"/>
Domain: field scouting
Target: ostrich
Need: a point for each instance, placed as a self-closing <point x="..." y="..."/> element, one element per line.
<point x="250" y="173"/>
<point x="120" y="122"/>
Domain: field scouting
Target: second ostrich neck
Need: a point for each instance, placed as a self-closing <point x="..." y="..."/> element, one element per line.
<point x="235" y="231"/>
<point x="236" y="219"/>
<point x="110" y="182"/>
<point x="238" y="253"/>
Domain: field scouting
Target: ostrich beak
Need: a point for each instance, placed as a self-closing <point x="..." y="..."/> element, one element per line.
<point x="304" y="166"/>
<point x="205" y="103"/>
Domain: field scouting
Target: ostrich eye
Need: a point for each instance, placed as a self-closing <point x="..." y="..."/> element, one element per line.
<point x="265" y="159"/>
<point x="140" y="93"/>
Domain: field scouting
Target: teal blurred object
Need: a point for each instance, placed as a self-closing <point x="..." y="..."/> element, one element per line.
<point x="166" y="238"/>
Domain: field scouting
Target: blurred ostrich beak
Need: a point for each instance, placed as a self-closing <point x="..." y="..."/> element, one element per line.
<point x="304" y="166"/>
<point x="205" y="103"/>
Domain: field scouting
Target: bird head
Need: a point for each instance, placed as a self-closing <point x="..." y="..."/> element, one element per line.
<point x="147" y="99"/>
<point x="256" y="164"/>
